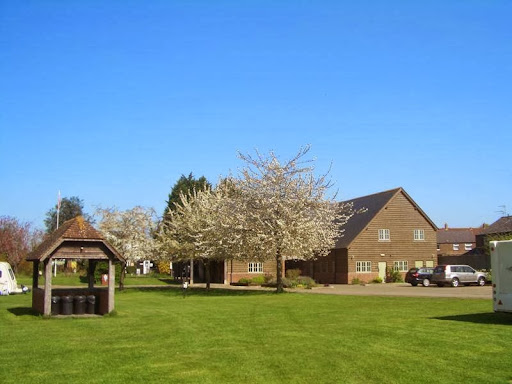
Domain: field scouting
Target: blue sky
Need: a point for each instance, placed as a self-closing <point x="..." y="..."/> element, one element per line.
<point x="112" y="101"/>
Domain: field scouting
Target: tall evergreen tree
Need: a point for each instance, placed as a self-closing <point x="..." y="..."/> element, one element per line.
<point x="70" y="208"/>
<point x="184" y="185"/>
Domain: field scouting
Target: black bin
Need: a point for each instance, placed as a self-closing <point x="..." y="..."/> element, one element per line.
<point x="55" y="305"/>
<point x="91" y="304"/>
<point x="67" y="305"/>
<point x="79" y="308"/>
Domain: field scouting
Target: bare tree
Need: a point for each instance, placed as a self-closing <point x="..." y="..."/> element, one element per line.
<point x="131" y="232"/>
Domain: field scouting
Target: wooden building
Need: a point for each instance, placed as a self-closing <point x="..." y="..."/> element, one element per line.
<point x="391" y="233"/>
<point x="76" y="239"/>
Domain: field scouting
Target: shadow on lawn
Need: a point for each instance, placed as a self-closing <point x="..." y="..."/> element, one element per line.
<point x="23" y="311"/>
<point x="195" y="291"/>
<point x="498" y="318"/>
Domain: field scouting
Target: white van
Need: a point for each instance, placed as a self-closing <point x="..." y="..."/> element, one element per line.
<point x="8" y="283"/>
<point x="501" y="263"/>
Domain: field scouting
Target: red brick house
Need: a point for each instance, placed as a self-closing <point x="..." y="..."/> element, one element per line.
<point x="392" y="232"/>
<point x="456" y="241"/>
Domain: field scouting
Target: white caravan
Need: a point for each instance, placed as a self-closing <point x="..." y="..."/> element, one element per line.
<point x="501" y="264"/>
<point x="8" y="283"/>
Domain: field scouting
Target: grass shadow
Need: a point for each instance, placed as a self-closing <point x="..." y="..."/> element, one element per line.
<point x="495" y="318"/>
<point x="195" y="291"/>
<point x="23" y="311"/>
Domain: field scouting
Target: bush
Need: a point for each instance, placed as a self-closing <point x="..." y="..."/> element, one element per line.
<point x="306" y="282"/>
<point x="394" y="276"/>
<point x="163" y="267"/>
<point x="356" y="281"/>
<point x="258" y="280"/>
<point x="293" y="274"/>
<point x="377" y="280"/>
<point x="131" y="270"/>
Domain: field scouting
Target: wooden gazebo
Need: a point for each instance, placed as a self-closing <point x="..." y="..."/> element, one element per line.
<point x="76" y="239"/>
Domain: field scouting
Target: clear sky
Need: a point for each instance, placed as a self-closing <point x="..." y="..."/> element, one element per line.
<point x="112" y="101"/>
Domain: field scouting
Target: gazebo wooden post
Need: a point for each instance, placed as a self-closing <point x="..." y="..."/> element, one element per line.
<point x="90" y="273"/>
<point x="47" y="307"/>
<point x="111" y="284"/>
<point x="35" y="275"/>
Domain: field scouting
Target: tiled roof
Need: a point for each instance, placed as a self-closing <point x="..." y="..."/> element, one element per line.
<point x="370" y="206"/>
<point x="502" y="225"/>
<point x="457" y="235"/>
<point x="74" y="229"/>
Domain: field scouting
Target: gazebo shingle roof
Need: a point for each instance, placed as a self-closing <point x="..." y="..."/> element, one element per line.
<point x="75" y="229"/>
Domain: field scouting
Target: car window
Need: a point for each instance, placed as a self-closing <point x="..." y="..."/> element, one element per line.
<point x="439" y="269"/>
<point x="468" y="269"/>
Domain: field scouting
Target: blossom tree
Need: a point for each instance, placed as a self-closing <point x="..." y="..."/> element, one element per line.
<point x="283" y="211"/>
<point x="198" y="228"/>
<point x="131" y="232"/>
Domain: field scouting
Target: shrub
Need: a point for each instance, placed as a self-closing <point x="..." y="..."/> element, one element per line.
<point x="356" y="281"/>
<point x="377" y="280"/>
<point x="394" y="276"/>
<point x="306" y="282"/>
<point x="258" y="280"/>
<point x="163" y="267"/>
<point x="293" y="274"/>
<point x="131" y="270"/>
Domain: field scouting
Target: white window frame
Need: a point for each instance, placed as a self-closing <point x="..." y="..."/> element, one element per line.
<point x="255" y="267"/>
<point x="455" y="247"/>
<point x="468" y="246"/>
<point x="401" y="266"/>
<point x="384" y="235"/>
<point x="419" y="235"/>
<point x="363" y="266"/>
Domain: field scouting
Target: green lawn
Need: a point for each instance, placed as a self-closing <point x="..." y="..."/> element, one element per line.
<point x="158" y="336"/>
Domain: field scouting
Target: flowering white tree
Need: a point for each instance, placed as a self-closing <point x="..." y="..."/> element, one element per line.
<point x="282" y="211"/>
<point x="131" y="232"/>
<point x="197" y="228"/>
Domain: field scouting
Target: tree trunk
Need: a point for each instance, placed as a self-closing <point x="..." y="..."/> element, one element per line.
<point x="207" y="266"/>
<point x="279" y="261"/>
<point x="122" y="276"/>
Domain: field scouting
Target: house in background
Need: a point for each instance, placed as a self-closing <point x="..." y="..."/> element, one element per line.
<point x="501" y="229"/>
<point x="391" y="232"/>
<point x="459" y="246"/>
<point x="456" y="241"/>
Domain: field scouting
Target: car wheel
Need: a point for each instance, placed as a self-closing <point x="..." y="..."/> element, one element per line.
<point x="455" y="282"/>
<point x="426" y="282"/>
<point x="481" y="281"/>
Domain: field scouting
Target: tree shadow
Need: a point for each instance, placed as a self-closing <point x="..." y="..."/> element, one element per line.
<point x="23" y="311"/>
<point x="495" y="318"/>
<point x="197" y="291"/>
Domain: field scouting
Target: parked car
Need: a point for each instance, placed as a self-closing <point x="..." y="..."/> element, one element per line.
<point x="417" y="276"/>
<point x="456" y="275"/>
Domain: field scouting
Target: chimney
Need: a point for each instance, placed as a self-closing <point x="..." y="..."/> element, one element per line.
<point x="446" y="226"/>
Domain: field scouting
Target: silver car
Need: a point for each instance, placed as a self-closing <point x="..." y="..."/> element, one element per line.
<point x="456" y="275"/>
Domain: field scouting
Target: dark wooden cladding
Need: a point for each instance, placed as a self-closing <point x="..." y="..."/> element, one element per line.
<point x="81" y="250"/>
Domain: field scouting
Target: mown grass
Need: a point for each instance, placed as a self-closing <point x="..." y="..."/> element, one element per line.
<point x="158" y="336"/>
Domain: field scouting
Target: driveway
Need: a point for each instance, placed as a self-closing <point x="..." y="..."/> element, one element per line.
<point x="468" y="292"/>
<point x="388" y="289"/>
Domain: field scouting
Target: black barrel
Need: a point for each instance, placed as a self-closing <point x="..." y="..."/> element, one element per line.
<point x="91" y="304"/>
<point x="79" y="308"/>
<point x="55" y="305"/>
<point x="67" y="305"/>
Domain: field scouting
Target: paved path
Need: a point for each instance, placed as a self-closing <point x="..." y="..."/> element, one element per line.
<point x="470" y="292"/>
